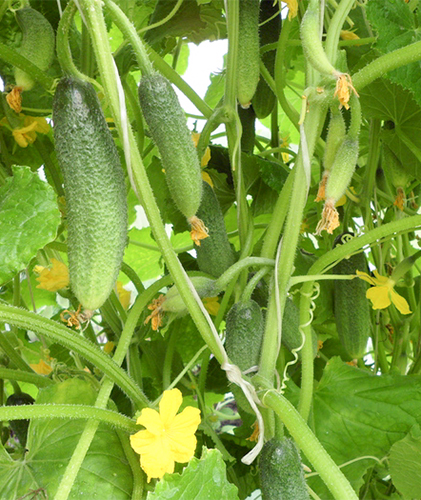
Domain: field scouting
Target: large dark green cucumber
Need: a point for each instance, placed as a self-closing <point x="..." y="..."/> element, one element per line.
<point x="168" y="128"/>
<point x="351" y="307"/>
<point x="291" y="336"/>
<point x="94" y="189"/>
<point x="243" y="341"/>
<point x="20" y="427"/>
<point x="38" y="43"/>
<point x="247" y="118"/>
<point x="248" y="56"/>
<point x="214" y="255"/>
<point x="281" y="473"/>
<point x="264" y="99"/>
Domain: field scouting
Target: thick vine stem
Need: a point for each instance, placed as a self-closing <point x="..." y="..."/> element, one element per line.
<point x="330" y="473"/>
<point x="335" y="26"/>
<point x="30" y="378"/>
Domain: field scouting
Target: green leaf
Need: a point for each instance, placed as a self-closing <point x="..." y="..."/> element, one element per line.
<point x="397" y="27"/>
<point x="390" y="102"/>
<point x="405" y="464"/>
<point x="51" y="444"/>
<point x="29" y="218"/>
<point x="203" y="479"/>
<point x="359" y="414"/>
<point x="145" y="262"/>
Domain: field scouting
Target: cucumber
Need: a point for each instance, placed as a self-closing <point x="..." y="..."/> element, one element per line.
<point x="38" y="44"/>
<point x="94" y="190"/>
<point x="248" y="55"/>
<point x="205" y="287"/>
<point x="248" y="133"/>
<point x="243" y="341"/>
<point x="167" y="125"/>
<point x="291" y="336"/>
<point x="264" y="99"/>
<point x="215" y="254"/>
<point x="351" y="307"/>
<point x="281" y="473"/>
<point x="20" y="427"/>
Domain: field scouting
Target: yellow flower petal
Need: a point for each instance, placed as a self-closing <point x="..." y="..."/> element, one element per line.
<point x="381" y="280"/>
<point x="292" y="7"/>
<point x="124" y="295"/>
<point x="379" y="296"/>
<point x="349" y="35"/>
<point x="157" y="464"/>
<point x="42" y="368"/>
<point x="169" y="405"/>
<point x="400" y="302"/>
<point x="207" y="178"/>
<point x="366" y="277"/>
<point x="211" y="305"/>
<point x="151" y="419"/>
<point x="52" y="279"/>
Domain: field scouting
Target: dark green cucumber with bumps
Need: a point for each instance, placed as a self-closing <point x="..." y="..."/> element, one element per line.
<point x="291" y="335"/>
<point x="281" y="472"/>
<point x="215" y="254"/>
<point x="243" y="341"/>
<point x="20" y="427"/>
<point x="248" y="55"/>
<point x="167" y="125"/>
<point x="351" y="307"/>
<point x="94" y="190"/>
<point x="264" y="99"/>
<point x="38" y="43"/>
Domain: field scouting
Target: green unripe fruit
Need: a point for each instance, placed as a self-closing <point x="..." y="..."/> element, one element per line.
<point x="248" y="54"/>
<point x="351" y="307"/>
<point x="94" y="189"/>
<point x="393" y="168"/>
<point x="343" y="169"/>
<point x="214" y="255"/>
<point x="205" y="287"/>
<point x="281" y="472"/>
<point x="38" y="43"/>
<point x="167" y="125"/>
<point x="291" y="335"/>
<point x="335" y="137"/>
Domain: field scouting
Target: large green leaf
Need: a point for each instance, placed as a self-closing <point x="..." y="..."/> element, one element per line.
<point x="397" y="26"/>
<point x="203" y="479"/>
<point x="146" y="262"/>
<point x="358" y="414"/>
<point x="405" y="464"/>
<point x="105" y="472"/>
<point x="390" y="102"/>
<point x="29" y="218"/>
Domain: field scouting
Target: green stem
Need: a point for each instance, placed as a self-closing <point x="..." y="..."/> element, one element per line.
<point x="65" y="336"/>
<point x="231" y="273"/>
<point x="17" y="60"/>
<point x="30" y="378"/>
<point x="10" y="352"/>
<point x="73" y="412"/>
<point x="310" y="445"/>
<point x="334" y="31"/>
<point x="132" y="458"/>
<point x="87" y="56"/>
<point x="388" y="62"/>
<point x="137" y="112"/>
<point x="169" y="356"/>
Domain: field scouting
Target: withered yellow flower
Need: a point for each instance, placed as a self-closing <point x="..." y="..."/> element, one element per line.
<point x="54" y="278"/>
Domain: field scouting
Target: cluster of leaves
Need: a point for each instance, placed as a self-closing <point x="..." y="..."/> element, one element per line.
<point x="365" y="412"/>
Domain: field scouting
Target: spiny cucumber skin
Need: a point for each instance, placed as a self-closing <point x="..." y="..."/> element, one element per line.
<point x="281" y="472"/>
<point x="335" y="136"/>
<point x="167" y="125"/>
<point x="291" y="335"/>
<point x="343" y="169"/>
<point x="214" y="255"/>
<point x="244" y="334"/>
<point x="264" y="99"/>
<point x="352" y="310"/>
<point x="38" y="43"/>
<point x="94" y="189"/>
<point x="310" y="39"/>
<point x="248" y="55"/>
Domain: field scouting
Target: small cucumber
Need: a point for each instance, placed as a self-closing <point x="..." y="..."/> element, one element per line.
<point x="38" y="44"/>
<point x="335" y="136"/>
<point x="310" y="39"/>
<point x="343" y="169"/>
<point x="351" y="307"/>
<point x="281" y="472"/>
<point x="264" y="99"/>
<point x="94" y="189"/>
<point x="248" y="55"/>
<point x="167" y="125"/>
<point x="215" y="254"/>
<point x="205" y="287"/>
<point x="20" y="427"/>
<point x="248" y="134"/>
<point x="291" y="336"/>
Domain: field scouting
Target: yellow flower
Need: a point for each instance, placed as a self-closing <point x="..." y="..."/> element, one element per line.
<point x="285" y="144"/>
<point x="292" y="8"/>
<point x="207" y="178"/>
<point x="28" y="133"/>
<point x="168" y="437"/>
<point x="53" y="279"/>
<point x="207" y="154"/>
<point x="211" y="305"/>
<point x="123" y="295"/>
<point x="42" y="368"/>
<point x="109" y="347"/>
<point x="382" y="294"/>
<point x="349" y="35"/>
